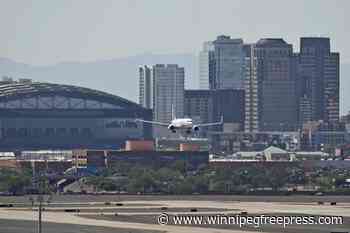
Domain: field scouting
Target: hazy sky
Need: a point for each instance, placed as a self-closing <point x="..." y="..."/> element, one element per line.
<point x="49" y="31"/>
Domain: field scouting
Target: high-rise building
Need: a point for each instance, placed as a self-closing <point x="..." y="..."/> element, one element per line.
<point x="146" y="87"/>
<point x="305" y="108"/>
<point x="251" y="106"/>
<point x="229" y="104"/>
<point x="318" y="80"/>
<point x="168" y="91"/>
<point x="229" y="60"/>
<point x="199" y="105"/>
<point x="276" y="74"/>
<point x="210" y="105"/>
<point x="207" y="66"/>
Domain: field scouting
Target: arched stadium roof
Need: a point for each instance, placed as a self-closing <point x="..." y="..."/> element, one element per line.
<point x="48" y="95"/>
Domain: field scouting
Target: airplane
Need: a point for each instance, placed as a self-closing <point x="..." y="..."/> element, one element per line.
<point x="182" y="124"/>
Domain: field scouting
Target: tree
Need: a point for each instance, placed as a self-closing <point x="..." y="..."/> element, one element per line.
<point x="201" y="184"/>
<point x="107" y="185"/>
<point x="141" y="180"/>
<point x="180" y="166"/>
<point x="95" y="181"/>
<point x="14" y="181"/>
<point x="184" y="187"/>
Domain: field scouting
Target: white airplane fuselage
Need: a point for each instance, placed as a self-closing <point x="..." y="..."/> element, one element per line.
<point x="181" y="123"/>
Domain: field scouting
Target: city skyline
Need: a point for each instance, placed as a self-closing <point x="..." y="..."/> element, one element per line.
<point x="302" y="86"/>
<point x="100" y="34"/>
<point x="189" y="78"/>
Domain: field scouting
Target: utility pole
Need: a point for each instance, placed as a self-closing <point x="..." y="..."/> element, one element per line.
<point x="40" y="200"/>
<point x="36" y="181"/>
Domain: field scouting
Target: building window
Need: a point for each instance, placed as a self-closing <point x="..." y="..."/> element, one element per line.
<point x="37" y="132"/>
<point x="22" y="132"/>
<point x="86" y="132"/>
<point x="74" y="131"/>
<point x="11" y="132"/>
<point x="49" y="131"/>
<point x="61" y="132"/>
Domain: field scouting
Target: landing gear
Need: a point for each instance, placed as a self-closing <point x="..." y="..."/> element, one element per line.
<point x="188" y="131"/>
<point x="173" y="131"/>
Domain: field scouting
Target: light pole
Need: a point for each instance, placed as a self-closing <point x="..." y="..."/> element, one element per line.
<point x="41" y="186"/>
<point x="40" y="200"/>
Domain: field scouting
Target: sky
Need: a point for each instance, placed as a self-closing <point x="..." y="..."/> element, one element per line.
<point x="41" y="32"/>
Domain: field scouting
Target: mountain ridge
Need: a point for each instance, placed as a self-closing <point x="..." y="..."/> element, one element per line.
<point x="117" y="76"/>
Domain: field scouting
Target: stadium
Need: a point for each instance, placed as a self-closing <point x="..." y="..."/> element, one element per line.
<point x="35" y="115"/>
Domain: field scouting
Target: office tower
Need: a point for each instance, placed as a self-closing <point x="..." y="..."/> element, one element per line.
<point x="229" y="59"/>
<point x="318" y="80"/>
<point x="207" y="66"/>
<point x="146" y="86"/>
<point x="199" y="105"/>
<point x="168" y="92"/>
<point x="276" y="73"/>
<point x="305" y="107"/>
<point x="210" y="105"/>
<point x="229" y="104"/>
<point x="251" y="122"/>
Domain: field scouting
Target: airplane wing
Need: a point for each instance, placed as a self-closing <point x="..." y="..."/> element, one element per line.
<point x="211" y="124"/>
<point x="152" y="122"/>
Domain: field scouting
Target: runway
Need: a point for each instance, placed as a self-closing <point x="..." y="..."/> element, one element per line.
<point x="141" y="215"/>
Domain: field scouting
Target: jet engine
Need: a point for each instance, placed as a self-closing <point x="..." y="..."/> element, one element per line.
<point x="195" y="128"/>
<point x="172" y="128"/>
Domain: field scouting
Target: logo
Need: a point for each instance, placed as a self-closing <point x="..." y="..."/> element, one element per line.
<point x="163" y="219"/>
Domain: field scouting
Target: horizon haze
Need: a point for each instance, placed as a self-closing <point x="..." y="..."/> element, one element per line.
<point x="49" y="38"/>
<point x="50" y="32"/>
